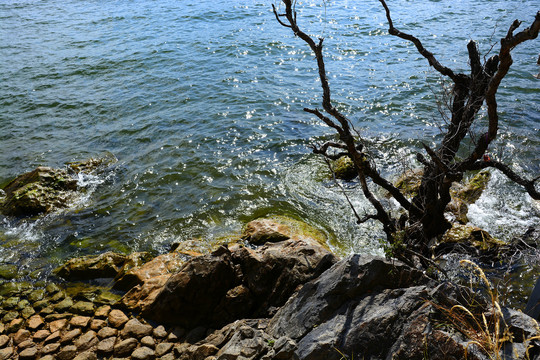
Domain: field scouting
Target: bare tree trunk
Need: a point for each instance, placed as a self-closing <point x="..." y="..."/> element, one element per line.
<point x="424" y="217"/>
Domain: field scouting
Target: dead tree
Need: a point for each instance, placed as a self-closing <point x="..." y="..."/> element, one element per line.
<point x="423" y="217"/>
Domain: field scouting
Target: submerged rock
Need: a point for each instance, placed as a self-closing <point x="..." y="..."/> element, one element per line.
<point x="106" y="265"/>
<point x="344" y="169"/>
<point x="39" y="191"/>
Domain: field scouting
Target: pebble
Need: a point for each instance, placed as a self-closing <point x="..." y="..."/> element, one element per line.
<point x="47" y="357"/>
<point x="64" y="305"/>
<point x="106" y="346"/>
<point x="134" y="328"/>
<point x="125" y="347"/>
<point x="168" y="356"/>
<point x="25" y="344"/>
<point x="143" y="353"/>
<point x="35" y="322"/>
<point x="86" y="341"/>
<point x="55" y="336"/>
<point x="21" y="336"/>
<point x="6" y="353"/>
<point x="107" y="332"/>
<point x="102" y="311"/>
<point x="4" y="339"/>
<point x="148" y="341"/>
<point x="15" y="325"/>
<point x="29" y="353"/>
<point x="67" y="353"/>
<point x="117" y="318"/>
<point x="57" y="325"/>
<point x="83" y="308"/>
<point x="41" y="335"/>
<point x="27" y="312"/>
<point x="79" y="321"/>
<point x="10" y="315"/>
<point x="160" y="332"/>
<point x="70" y="335"/>
<point x="97" y="324"/>
<point x="163" y="348"/>
<point x="41" y="304"/>
<point x="50" y="348"/>
<point x="88" y="355"/>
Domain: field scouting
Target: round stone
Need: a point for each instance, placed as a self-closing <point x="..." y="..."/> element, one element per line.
<point x="143" y="353"/>
<point x="117" y="318"/>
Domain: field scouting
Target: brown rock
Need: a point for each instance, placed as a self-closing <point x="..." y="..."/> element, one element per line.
<point x="20" y="336"/>
<point x="87" y="355"/>
<point x="26" y="344"/>
<point x="6" y="353"/>
<point x="160" y="265"/>
<point x="160" y="332"/>
<point x="143" y="353"/>
<point x="107" y="332"/>
<point x="102" y="311"/>
<point x="70" y="335"/>
<point x="86" y="341"/>
<point x="50" y="348"/>
<point x="4" y="340"/>
<point x="67" y="353"/>
<point x="54" y="337"/>
<point x="117" y="318"/>
<point x="134" y="328"/>
<point x="15" y="325"/>
<point x="41" y="335"/>
<point x="148" y="341"/>
<point x="47" y="357"/>
<point x="57" y="325"/>
<point x="125" y="347"/>
<point x="79" y="321"/>
<point x="28" y="354"/>
<point x="106" y="346"/>
<point x="142" y="295"/>
<point x="97" y="324"/>
<point x="163" y="348"/>
<point x="261" y="231"/>
<point x="35" y="322"/>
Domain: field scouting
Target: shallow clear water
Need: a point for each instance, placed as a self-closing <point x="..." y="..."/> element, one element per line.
<point x="201" y="102"/>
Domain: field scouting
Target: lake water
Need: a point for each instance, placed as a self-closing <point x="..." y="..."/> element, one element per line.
<point x="201" y="103"/>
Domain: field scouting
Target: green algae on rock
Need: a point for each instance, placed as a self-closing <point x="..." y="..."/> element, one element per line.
<point x="39" y="191"/>
<point x="344" y="169"/>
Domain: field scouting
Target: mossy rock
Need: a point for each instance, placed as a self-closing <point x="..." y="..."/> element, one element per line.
<point x="472" y="235"/>
<point x="409" y="182"/>
<point x="8" y="271"/>
<point x="39" y="191"/>
<point x="92" y="165"/>
<point x="473" y="189"/>
<point x="344" y="169"/>
<point x="106" y="265"/>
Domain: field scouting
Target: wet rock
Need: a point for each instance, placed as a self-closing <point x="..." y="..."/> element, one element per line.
<point x="467" y="238"/>
<point x="102" y="311"/>
<point x="15" y="325"/>
<point x="64" y="305"/>
<point x="92" y="165"/>
<point x="8" y="271"/>
<point x="83" y="308"/>
<point x="105" y="265"/>
<point x="97" y="324"/>
<point x="265" y="230"/>
<point x="54" y="337"/>
<point x="57" y="325"/>
<point x="473" y="189"/>
<point x="409" y="182"/>
<point x="39" y="191"/>
<point x="79" y="321"/>
<point x="344" y="169"/>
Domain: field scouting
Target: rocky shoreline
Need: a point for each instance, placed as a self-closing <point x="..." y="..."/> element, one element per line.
<point x="288" y="298"/>
<point x="277" y="292"/>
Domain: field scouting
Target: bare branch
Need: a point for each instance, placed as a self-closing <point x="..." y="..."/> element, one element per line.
<point x="428" y="55"/>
